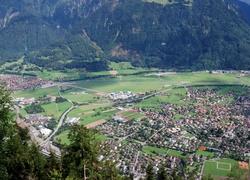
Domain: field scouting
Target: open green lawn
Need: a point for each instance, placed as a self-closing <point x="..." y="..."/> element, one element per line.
<point x="224" y="166"/>
<point x="51" y="91"/>
<point x="134" y="84"/>
<point x="127" y="113"/>
<point x="102" y="137"/>
<point x="205" y="153"/>
<point x="22" y="112"/>
<point x="56" y="109"/>
<point x="136" y="116"/>
<point x="121" y="65"/>
<point x="176" y="153"/>
<point x="78" y="97"/>
<point x="218" y="167"/>
<point x="153" y="150"/>
<point x="64" y="137"/>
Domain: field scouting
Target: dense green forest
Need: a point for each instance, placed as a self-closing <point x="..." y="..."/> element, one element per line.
<point x="180" y="34"/>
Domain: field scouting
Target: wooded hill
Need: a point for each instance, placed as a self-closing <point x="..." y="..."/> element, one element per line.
<point x="183" y="34"/>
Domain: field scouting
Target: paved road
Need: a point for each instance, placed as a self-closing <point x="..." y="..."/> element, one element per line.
<point x="60" y="121"/>
<point x="92" y="90"/>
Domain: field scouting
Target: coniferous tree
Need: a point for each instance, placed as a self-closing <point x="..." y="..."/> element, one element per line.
<point x="19" y="157"/>
<point x="81" y="159"/>
<point x="150" y="175"/>
<point x="162" y="173"/>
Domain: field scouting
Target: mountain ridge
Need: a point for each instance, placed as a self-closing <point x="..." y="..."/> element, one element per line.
<point x="205" y="34"/>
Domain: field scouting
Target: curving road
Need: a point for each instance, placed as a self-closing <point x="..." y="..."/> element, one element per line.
<point x="60" y="121"/>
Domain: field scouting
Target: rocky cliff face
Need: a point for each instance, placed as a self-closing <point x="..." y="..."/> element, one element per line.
<point x="58" y="10"/>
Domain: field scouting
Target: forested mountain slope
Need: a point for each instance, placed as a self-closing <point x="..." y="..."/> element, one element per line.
<point x="184" y="34"/>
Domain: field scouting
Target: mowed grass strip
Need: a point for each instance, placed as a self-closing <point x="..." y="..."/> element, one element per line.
<point x="205" y="153"/>
<point x="151" y="150"/>
<point x="177" y="153"/>
<point x="127" y="113"/>
<point x="136" y="116"/>
<point x="154" y="149"/>
<point x="224" y="166"/>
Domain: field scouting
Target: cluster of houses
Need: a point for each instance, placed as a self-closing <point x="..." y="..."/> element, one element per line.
<point x="21" y="102"/>
<point x="210" y="120"/>
<point x="37" y="119"/>
<point x="122" y="96"/>
<point x="241" y="73"/>
<point x="73" y="120"/>
<point x="14" y="82"/>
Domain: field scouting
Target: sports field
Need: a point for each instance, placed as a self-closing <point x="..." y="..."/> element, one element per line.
<point x="218" y="167"/>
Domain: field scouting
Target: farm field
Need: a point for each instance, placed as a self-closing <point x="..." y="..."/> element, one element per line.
<point x="51" y="91"/>
<point x="80" y="98"/>
<point x="63" y="137"/>
<point x="56" y="109"/>
<point x="90" y="115"/>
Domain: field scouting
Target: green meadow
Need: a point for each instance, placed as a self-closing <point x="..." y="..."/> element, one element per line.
<point x="154" y="151"/>
<point x="56" y="109"/>
<point x="36" y="93"/>
<point x="205" y="153"/>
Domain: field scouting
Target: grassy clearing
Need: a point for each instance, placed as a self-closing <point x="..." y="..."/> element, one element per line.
<point x="121" y="65"/>
<point x="78" y="97"/>
<point x="51" y="91"/>
<point x="125" y="83"/>
<point x="102" y="137"/>
<point x="22" y="112"/>
<point x="224" y="90"/>
<point x="56" y="109"/>
<point x="63" y="137"/>
<point x="205" y="153"/>
<point x="223" y="166"/>
<point x="141" y="83"/>
<point x="127" y="113"/>
<point x="136" y="116"/>
<point x="154" y="151"/>
<point x="176" y="153"/>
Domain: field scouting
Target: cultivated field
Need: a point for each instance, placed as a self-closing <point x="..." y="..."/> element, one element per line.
<point x="96" y="123"/>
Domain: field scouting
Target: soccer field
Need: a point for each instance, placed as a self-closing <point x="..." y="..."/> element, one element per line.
<point x="218" y="167"/>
